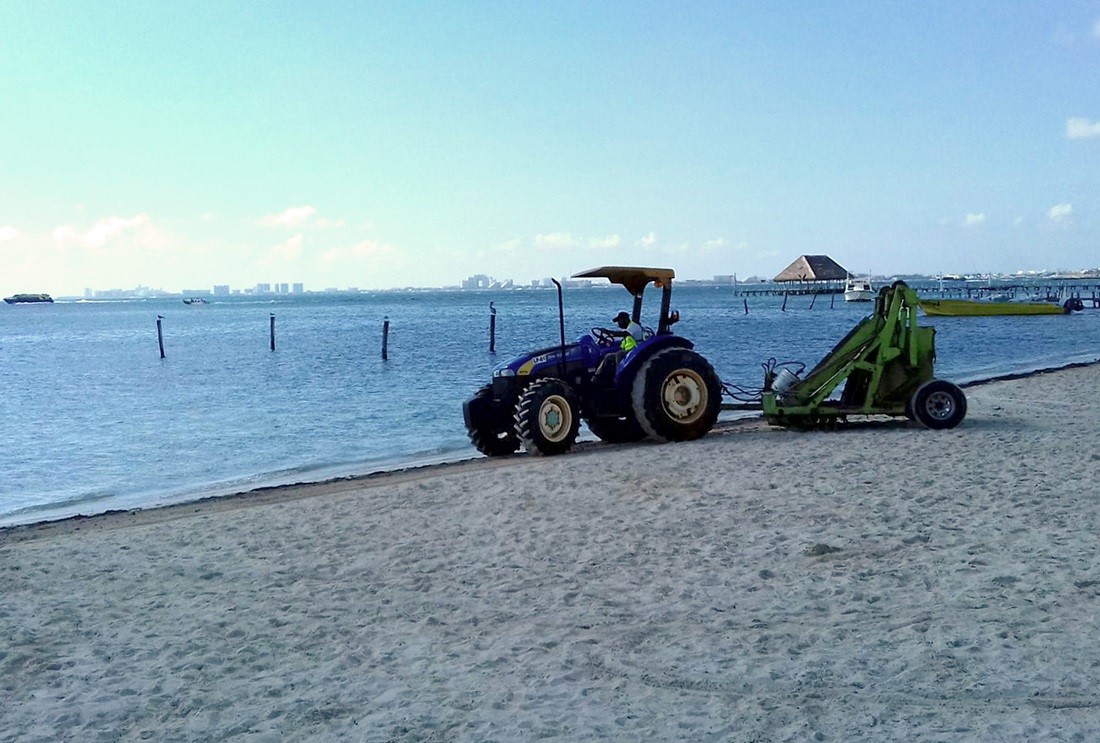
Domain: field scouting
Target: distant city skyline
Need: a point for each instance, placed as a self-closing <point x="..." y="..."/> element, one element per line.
<point x="484" y="282"/>
<point x="385" y="144"/>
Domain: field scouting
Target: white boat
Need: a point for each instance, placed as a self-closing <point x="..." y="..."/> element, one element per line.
<point x="858" y="290"/>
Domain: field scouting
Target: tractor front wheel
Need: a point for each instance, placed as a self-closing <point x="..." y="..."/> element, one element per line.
<point x="546" y="417"/>
<point x="676" y="395"/>
<point x="487" y="437"/>
<point x="938" y="404"/>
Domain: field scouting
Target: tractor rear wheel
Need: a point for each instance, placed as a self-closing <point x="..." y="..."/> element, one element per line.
<point x="485" y="437"/>
<point x="676" y="395"/>
<point x="546" y="417"/>
<point x="621" y="430"/>
<point x="938" y="404"/>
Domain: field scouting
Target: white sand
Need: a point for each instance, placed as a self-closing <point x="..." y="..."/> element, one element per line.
<point x="629" y="593"/>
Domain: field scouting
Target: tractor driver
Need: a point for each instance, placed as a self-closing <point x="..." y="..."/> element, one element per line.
<point x="631" y="332"/>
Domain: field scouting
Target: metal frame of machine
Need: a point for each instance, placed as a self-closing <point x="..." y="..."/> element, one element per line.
<point x="886" y="366"/>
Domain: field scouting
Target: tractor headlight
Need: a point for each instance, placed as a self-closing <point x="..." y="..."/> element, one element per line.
<point x="504" y="372"/>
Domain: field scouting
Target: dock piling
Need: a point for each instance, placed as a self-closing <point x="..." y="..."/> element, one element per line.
<point x="272" y="331"/>
<point x="385" y="338"/>
<point x="492" y="328"/>
<point x="160" y="335"/>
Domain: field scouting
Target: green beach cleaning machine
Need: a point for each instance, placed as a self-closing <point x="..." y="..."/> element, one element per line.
<point x="885" y="364"/>
<point x="660" y="388"/>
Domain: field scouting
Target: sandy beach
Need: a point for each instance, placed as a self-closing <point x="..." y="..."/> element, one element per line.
<point x="881" y="582"/>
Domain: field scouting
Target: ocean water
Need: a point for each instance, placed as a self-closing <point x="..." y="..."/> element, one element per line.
<point x="95" y="420"/>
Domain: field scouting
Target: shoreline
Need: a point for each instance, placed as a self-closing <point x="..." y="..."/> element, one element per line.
<point x="882" y="582"/>
<point x="266" y="494"/>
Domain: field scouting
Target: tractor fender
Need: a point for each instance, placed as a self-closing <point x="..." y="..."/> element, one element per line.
<point x="635" y="358"/>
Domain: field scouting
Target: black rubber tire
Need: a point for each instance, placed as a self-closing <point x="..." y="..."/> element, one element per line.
<point x="489" y="442"/>
<point x="622" y="430"/>
<point x="676" y="395"/>
<point x="547" y="420"/>
<point x="938" y="404"/>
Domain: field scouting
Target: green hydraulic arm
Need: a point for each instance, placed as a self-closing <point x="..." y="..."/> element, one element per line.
<point x="880" y="363"/>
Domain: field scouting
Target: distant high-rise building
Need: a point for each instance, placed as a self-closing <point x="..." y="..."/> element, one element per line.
<point x="263" y="288"/>
<point x="221" y="290"/>
<point x="283" y="289"/>
<point x="298" y="288"/>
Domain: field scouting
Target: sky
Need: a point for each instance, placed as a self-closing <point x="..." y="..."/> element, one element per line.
<point x="392" y="144"/>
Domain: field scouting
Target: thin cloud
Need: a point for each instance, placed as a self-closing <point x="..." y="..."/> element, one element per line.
<point x="287" y="251"/>
<point x="555" y="240"/>
<point x="292" y="217"/>
<point x="100" y="233"/>
<point x="973" y="220"/>
<point x="648" y="241"/>
<point x="611" y="241"/>
<point x="8" y="233"/>
<point x="361" y="251"/>
<point x="721" y="245"/>
<point x="1080" y="128"/>
<point x="1060" y="212"/>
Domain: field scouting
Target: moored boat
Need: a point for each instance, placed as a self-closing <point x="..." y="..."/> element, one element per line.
<point x="858" y="290"/>
<point x="971" y="308"/>
<point x="28" y="299"/>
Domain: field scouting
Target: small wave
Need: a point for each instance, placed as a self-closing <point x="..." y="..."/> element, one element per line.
<point x="63" y="508"/>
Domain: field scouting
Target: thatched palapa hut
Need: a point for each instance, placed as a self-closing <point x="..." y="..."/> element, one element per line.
<point x="820" y="272"/>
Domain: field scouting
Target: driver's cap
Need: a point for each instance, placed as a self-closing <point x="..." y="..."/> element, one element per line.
<point x="621" y="316"/>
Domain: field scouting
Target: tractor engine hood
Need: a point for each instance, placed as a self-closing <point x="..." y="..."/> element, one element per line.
<point x="524" y="365"/>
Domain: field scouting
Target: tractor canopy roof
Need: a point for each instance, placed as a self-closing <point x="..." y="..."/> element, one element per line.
<point x="633" y="278"/>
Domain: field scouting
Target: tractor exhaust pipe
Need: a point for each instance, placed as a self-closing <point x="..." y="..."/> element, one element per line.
<point x="561" y="329"/>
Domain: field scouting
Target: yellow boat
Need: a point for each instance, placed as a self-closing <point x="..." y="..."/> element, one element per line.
<point x="971" y="308"/>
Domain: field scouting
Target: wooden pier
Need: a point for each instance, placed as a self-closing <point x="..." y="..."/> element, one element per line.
<point x="1087" y="290"/>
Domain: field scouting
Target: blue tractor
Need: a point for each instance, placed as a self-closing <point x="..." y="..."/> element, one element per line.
<point x="661" y="389"/>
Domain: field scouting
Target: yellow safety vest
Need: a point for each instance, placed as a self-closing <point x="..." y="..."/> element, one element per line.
<point x="628" y="344"/>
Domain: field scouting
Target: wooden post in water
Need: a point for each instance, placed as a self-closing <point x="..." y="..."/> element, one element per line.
<point x="812" y="300"/>
<point x="784" y="300"/>
<point x="746" y="306"/>
<point x="385" y="338"/>
<point x="832" y="300"/>
<point x="160" y="335"/>
<point x="272" y="331"/>
<point x="492" y="328"/>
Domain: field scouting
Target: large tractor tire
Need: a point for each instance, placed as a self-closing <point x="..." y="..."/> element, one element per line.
<point x="621" y="430"/>
<point x="938" y="404"/>
<point x="676" y="395"/>
<point x="486" y="438"/>
<point x="547" y="419"/>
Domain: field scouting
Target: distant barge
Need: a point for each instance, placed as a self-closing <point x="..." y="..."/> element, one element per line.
<point x="28" y="298"/>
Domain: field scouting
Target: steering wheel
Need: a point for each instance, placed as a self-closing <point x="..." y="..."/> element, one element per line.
<point x="605" y="337"/>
